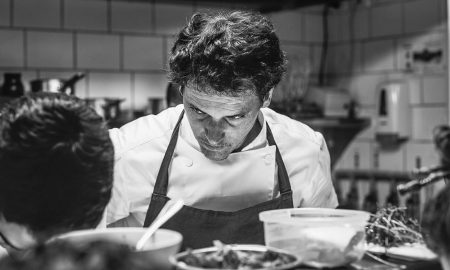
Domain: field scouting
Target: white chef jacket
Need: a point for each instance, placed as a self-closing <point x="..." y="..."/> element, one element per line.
<point x="140" y="146"/>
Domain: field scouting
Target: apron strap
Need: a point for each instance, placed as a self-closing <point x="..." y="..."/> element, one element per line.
<point x="283" y="177"/>
<point x="162" y="180"/>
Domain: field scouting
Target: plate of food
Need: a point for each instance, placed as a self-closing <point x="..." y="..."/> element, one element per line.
<point x="221" y="256"/>
<point x="392" y="233"/>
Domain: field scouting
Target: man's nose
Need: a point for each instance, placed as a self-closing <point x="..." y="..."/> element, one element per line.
<point x="214" y="133"/>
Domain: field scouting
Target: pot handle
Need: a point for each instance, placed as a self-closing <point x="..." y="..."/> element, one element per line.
<point x="71" y="82"/>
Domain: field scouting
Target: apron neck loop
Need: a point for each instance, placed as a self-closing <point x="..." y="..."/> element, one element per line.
<point x="162" y="180"/>
<point x="283" y="177"/>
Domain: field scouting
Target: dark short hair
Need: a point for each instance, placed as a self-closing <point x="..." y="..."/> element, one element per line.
<point x="436" y="222"/>
<point x="228" y="52"/>
<point x="56" y="164"/>
<point x="64" y="255"/>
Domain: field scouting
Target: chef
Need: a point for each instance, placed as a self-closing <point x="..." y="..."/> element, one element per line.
<point x="222" y="151"/>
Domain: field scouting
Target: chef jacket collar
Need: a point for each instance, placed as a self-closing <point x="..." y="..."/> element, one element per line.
<point x="259" y="142"/>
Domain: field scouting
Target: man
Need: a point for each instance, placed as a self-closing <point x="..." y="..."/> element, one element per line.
<point x="231" y="157"/>
<point x="56" y="161"/>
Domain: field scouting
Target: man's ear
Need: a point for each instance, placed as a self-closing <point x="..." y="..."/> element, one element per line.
<point x="267" y="99"/>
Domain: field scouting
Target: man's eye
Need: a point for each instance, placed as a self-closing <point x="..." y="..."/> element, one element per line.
<point x="237" y="117"/>
<point x="198" y="111"/>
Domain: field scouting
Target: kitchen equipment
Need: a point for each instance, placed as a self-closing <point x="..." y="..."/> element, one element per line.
<point x="320" y="237"/>
<point x="181" y="260"/>
<point x="56" y="85"/>
<point x="170" y="209"/>
<point x="163" y="244"/>
<point x="12" y="85"/>
<point x="108" y="108"/>
<point x="393" y="114"/>
<point x="155" y="105"/>
<point x="332" y="100"/>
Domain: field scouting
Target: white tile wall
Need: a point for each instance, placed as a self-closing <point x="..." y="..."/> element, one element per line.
<point x="4" y="13"/>
<point x="316" y="56"/>
<point x="364" y="87"/>
<point x="50" y="49"/>
<point x="377" y="55"/>
<point x="364" y="149"/>
<point x="170" y="19"/>
<point x="288" y="25"/>
<point x="425" y="151"/>
<point x="361" y="23"/>
<point x="435" y="89"/>
<point x="421" y="15"/>
<point x="98" y="51"/>
<point x="131" y="16"/>
<point x="313" y="27"/>
<point x="425" y="119"/>
<point x="148" y="85"/>
<point x="386" y="20"/>
<point x="143" y="53"/>
<point x="115" y="85"/>
<point x="11" y="48"/>
<point x="392" y="160"/>
<point x="85" y="15"/>
<point x="371" y="114"/>
<point x="32" y="13"/>
<point x="337" y="27"/>
<point x="415" y="90"/>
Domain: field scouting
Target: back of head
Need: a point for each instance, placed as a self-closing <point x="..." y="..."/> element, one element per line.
<point x="228" y="52"/>
<point x="436" y="223"/>
<point x="56" y="161"/>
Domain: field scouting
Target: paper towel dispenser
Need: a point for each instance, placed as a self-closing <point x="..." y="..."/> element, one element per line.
<point x="393" y="114"/>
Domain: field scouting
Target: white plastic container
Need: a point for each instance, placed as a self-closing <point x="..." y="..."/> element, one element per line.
<point x="320" y="237"/>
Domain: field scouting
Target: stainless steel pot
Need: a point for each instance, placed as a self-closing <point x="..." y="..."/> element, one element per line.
<point x="56" y="85"/>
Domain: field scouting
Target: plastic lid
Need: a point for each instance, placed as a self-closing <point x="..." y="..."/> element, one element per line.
<point x="313" y="215"/>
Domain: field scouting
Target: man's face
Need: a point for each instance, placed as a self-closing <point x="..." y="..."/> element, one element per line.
<point x="14" y="237"/>
<point x="220" y="123"/>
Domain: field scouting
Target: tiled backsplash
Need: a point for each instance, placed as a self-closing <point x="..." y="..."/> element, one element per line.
<point x="381" y="32"/>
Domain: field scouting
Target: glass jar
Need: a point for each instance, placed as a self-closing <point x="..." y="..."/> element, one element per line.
<point x="12" y="85"/>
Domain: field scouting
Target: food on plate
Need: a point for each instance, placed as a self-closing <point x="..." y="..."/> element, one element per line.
<point x="226" y="257"/>
<point x="325" y="246"/>
<point x="391" y="227"/>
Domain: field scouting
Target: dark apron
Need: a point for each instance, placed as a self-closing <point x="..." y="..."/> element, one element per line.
<point x="200" y="227"/>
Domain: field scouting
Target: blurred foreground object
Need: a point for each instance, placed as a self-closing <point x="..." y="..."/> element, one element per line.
<point x="65" y="255"/>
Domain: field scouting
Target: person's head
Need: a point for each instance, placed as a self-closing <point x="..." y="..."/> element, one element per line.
<point x="436" y="225"/>
<point x="227" y="65"/>
<point x="56" y="161"/>
<point x="63" y="255"/>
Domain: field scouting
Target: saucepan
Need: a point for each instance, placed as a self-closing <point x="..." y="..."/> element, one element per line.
<point x="56" y="85"/>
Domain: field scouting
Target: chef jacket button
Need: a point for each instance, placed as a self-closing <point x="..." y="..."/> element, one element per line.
<point x="189" y="162"/>
<point x="268" y="159"/>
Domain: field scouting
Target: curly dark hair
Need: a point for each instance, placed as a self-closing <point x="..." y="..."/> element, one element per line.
<point x="229" y="53"/>
<point x="56" y="164"/>
<point x="64" y="255"/>
<point x="436" y="222"/>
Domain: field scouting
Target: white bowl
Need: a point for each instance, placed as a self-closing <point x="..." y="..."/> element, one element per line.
<point x="157" y="250"/>
<point x="320" y="237"/>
